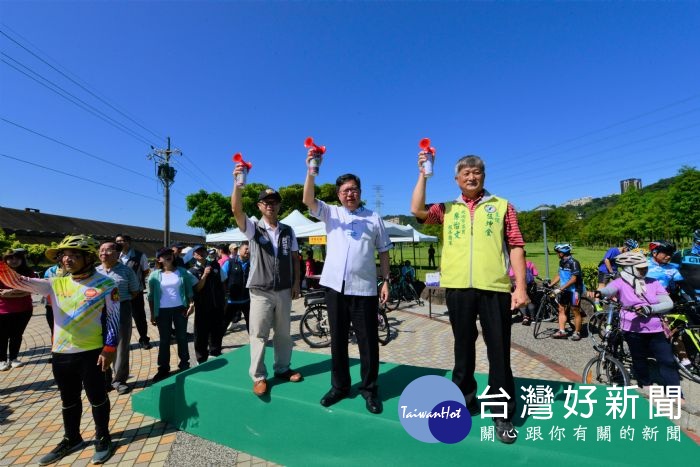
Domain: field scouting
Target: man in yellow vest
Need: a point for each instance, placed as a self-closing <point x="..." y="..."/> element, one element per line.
<point x="481" y="239"/>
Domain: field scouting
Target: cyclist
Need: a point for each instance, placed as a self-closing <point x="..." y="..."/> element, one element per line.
<point x="86" y="334"/>
<point x="570" y="290"/>
<point x="408" y="272"/>
<point x="531" y="272"/>
<point x="607" y="266"/>
<point x="688" y="262"/>
<point x="644" y="332"/>
<point x="660" y="266"/>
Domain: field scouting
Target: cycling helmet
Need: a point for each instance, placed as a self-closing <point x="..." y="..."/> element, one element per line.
<point x="631" y="244"/>
<point x="630" y="259"/>
<point x="696" y="236"/>
<point x="564" y="248"/>
<point x="663" y="247"/>
<point x="74" y="242"/>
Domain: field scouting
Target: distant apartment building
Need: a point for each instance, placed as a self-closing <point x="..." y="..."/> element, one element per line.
<point x="578" y="201"/>
<point x="630" y="183"/>
<point x="395" y="220"/>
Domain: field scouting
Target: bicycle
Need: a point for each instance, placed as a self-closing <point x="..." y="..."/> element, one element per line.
<point x="315" y="329"/>
<point x="548" y="311"/>
<point x="607" y="367"/>
<point x="684" y="325"/>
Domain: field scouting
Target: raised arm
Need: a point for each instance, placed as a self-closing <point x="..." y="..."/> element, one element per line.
<point x="418" y="198"/>
<point x="236" y="202"/>
<point x="309" y="197"/>
<point x="15" y="281"/>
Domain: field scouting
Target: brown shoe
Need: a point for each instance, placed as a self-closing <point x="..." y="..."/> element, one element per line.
<point x="290" y="375"/>
<point x="260" y="387"/>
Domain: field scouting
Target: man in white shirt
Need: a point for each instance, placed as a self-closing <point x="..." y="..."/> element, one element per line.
<point x="350" y="274"/>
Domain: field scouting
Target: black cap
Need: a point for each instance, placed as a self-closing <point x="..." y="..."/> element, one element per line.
<point x="198" y="247"/>
<point x="269" y="193"/>
<point x="163" y="251"/>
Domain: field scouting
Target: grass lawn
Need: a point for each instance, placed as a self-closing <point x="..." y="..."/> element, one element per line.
<point x="535" y="253"/>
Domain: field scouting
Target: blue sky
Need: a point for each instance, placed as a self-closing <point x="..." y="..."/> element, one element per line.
<point x="562" y="100"/>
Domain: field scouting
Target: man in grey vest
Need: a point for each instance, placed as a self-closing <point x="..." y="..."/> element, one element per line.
<point x="273" y="281"/>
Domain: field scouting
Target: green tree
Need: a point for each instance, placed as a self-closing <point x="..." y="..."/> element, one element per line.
<point x="212" y="211"/>
<point x="684" y="204"/>
<point x="6" y="241"/>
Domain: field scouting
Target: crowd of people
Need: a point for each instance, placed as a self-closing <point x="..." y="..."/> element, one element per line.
<point x="484" y="271"/>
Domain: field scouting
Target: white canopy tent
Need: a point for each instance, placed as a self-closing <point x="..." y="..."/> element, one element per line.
<point x="304" y="228"/>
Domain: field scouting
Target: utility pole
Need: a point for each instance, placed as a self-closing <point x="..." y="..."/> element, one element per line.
<point x="166" y="175"/>
<point x="378" y="199"/>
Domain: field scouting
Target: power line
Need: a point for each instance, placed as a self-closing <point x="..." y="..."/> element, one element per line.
<point x="103" y="100"/>
<point x="95" y="182"/>
<point x="82" y="104"/>
<point x="622" y="122"/>
<point x="101" y="159"/>
<point x="106" y="161"/>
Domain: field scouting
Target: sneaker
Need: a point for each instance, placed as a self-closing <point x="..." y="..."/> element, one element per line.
<point x="16" y="363"/>
<point x="525" y="321"/>
<point x="122" y="388"/>
<point x="560" y="335"/>
<point x="4" y="366"/>
<point x="687" y="364"/>
<point x="505" y="431"/>
<point x="103" y="450"/>
<point x="64" y="448"/>
<point x="575" y="337"/>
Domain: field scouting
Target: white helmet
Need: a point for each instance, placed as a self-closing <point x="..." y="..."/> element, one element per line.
<point x="633" y="263"/>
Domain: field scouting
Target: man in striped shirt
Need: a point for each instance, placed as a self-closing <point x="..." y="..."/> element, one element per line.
<point x="481" y="239"/>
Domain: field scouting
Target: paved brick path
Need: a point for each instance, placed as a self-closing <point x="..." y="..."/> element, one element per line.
<point x="30" y="408"/>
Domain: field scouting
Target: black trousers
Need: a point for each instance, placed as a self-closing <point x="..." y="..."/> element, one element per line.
<point x="12" y="326"/>
<point x="362" y="313"/>
<point x="230" y="312"/>
<point x="208" y="330"/>
<point x="138" y="312"/>
<point x="73" y="372"/>
<point x="493" y="309"/>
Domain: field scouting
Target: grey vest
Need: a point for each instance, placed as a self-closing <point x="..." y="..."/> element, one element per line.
<point x="267" y="271"/>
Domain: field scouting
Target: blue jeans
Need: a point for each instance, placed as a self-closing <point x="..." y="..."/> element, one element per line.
<point x="167" y="317"/>
<point x="643" y="345"/>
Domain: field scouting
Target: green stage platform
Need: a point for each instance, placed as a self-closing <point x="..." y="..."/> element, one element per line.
<point x="290" y="427"/>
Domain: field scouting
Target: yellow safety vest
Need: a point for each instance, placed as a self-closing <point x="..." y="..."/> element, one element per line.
<point x="474" y="251"/>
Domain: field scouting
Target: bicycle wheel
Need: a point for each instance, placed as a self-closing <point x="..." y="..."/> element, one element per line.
<point x="587" y="306"/>
<point x="596" y="327"/>
<point x="383" y="326"/>
<point x="314" y="327"/>
<point x="394" y="297"/>
<point x="544" y="313"/>
<point x="605" y="370"/>
<point x="692" y="371"/>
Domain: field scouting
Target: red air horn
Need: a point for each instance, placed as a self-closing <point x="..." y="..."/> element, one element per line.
<point x="241" y="176"/>
<point x="309" y="143"/>
<point x="424" y="144"/>
<point x="315" y="161"/>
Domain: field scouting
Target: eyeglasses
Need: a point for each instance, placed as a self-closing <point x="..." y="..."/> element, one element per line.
<point x="269" y="203"/>
<point x="348" y="191"/>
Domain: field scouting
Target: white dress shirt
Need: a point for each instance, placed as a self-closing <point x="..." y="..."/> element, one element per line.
<point x="352" y="238"/>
